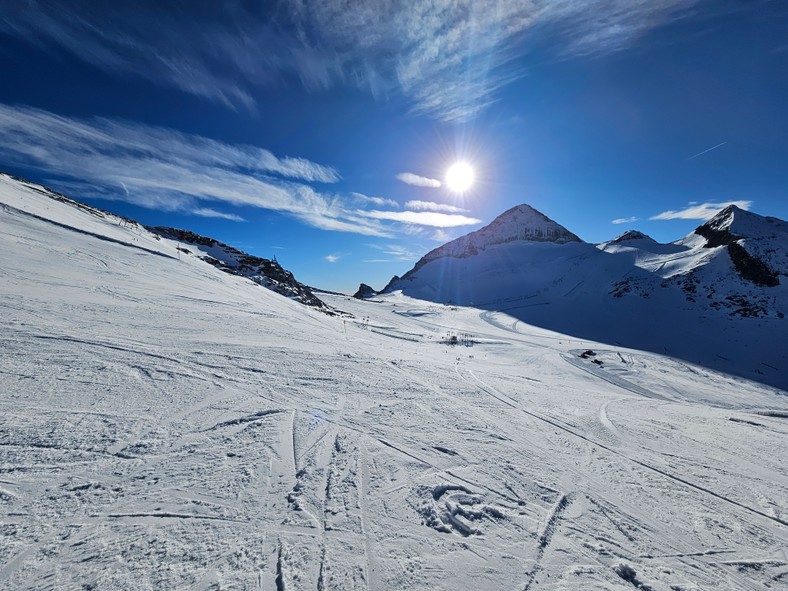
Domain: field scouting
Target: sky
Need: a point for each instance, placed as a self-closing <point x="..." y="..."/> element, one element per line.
<point x="320" y="132"/>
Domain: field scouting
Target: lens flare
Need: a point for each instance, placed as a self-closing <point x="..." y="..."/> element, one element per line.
<point x="459" y="177"/>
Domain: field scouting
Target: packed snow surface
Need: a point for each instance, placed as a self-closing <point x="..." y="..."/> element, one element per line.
<point x="166" y="425"/>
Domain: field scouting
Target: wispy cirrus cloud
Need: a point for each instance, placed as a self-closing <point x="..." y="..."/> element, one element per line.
<point x="207" y="212"/>
<point x="446" y="57"/>
<point x="431" y="206"/>
<point x="38" y="134"/>
<point x="628" y="220"/>
<point x="422" y="218"/>
<point x="163" y="169"/>
<point x="418" y="181"/>
<point x="440" y="235"/>
<point x="699" y="211"/>
<point x="394" y="252"/>
<point x="379" y="201"/>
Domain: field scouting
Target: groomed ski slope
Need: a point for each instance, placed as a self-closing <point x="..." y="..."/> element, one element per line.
<point x="169" y="426"/>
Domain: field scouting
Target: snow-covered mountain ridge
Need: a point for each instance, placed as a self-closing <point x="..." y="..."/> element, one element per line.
<point x="728" y="275"/>
<point x="34" y="198"/>
<point x="522" y="222"/>
<point x="266" y="272"/>
<point x="755" y="246"/>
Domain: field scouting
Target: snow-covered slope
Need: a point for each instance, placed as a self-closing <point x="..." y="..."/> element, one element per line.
<point x="714" y="297"/>
<point x="168" y="425"/>
<point x="265" y="272"/>
<point x="171" y="242"/>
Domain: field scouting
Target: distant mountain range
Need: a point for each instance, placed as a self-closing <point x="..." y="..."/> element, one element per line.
<point x="717" y="296"/>
<point x="726" y="264"/>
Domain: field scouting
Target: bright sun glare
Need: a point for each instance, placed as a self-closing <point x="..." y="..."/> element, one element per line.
<point x="459" y="177"/>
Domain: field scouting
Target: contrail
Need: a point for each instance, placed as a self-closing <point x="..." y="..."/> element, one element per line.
<point x="704" y="151"/>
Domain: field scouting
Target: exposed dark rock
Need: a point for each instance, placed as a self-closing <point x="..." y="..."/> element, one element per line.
<point x="390" y="283"/>
<point x="265" y="272"/>
<point x="364" y="292"/>
<point x="751" y="268"/>
<point x="183" y="236"/>
<point x="716" y="231"/>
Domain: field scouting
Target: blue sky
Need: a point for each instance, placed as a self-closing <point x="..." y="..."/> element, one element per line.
<point x="321" y="134"/>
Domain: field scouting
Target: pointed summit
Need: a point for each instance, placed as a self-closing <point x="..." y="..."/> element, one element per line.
<point x="364" y="292"/>
<point x="752" y="243"/>
<point x="522" y="222"/>
<point x="734" y="223"/>
<point x="631" y="235"/>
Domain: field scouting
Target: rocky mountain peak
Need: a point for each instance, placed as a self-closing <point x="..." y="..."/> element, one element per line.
<point x="632" y="235"/>
<point x="364" y="292"/>
<point x="521" y="222"/>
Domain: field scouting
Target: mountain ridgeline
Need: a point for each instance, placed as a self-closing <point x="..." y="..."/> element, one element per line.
<point x="750" y="245"/>
<point x="266" y="272"/>
<point x="713" y="297"/>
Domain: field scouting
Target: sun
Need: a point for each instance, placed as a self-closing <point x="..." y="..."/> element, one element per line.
<point x="459" y="177"/>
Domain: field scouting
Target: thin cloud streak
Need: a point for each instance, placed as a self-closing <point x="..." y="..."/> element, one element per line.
<point x="379" y="201"/>
<point x="431" y="206"/>
<point x="706" y="151"/>
<point x="207" y="212"/>
<point x="440" y="236"/>
<point x="628" y="220"/>
<point x="446" y="57"/>
<point x="397" y="251"/>
<point x="422" y="218"/>
<point x="418" y="181"/>
<point x="700" y="211"/>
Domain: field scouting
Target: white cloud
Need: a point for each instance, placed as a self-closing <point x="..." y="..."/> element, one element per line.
<point x="628" y="220"/>
<point x="447" y="57"/>
<point x="163" y="169"/>
<point x="397" y="252"/>
<point x="700" y="211"/>
<point x="379" y="201"/>
<point x="418" y="181"/>
<point x="207" y="212"/>
<point x="333" y="258"/>
<point x="440" y="236"/>
<point x="430" y="206"/>
<point x="422" y="218"/>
